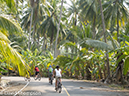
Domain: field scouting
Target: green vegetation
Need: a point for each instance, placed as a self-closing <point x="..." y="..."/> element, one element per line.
<point x="90" y="42"/>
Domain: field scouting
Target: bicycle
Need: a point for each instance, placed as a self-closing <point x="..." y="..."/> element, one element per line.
<point x="59" y="85"/>
<point x="38" y="77"/>
<point x="51" y="79"/>
<point x="27" y="77"/>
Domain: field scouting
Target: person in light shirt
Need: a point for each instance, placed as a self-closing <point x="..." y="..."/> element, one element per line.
<point x="58" y="74"/>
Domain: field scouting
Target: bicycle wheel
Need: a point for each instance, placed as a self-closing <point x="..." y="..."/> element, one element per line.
<point x="26" y="79"/>
<point x="39" y="77"/>
<point x="59" y="90"/>
<point x="56" y="89"/>
<point x="51" y="80"/>
<point x="35" y="78"/>
<point x="60" y="87"/>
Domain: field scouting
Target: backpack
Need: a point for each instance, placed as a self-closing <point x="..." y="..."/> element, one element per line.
<point x="50" y="70"/>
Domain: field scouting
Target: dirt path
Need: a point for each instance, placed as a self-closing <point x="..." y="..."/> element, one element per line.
<point x="70" y="88"/>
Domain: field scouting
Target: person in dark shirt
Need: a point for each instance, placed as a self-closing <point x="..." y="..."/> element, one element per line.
<point x="36" y="71"/>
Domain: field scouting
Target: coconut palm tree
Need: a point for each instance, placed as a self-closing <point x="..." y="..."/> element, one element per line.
<point x="90" y="12"/>
<point x="55" y="52"/>
<point x="32" y="3"/>
<point x="11" y="55"/>
<point x="73" y="12"/>
<point x="116" y="15"/>
<point x="39" y="13"/>
<point x="49" y="24"/>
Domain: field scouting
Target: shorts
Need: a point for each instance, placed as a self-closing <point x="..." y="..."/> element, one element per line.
<point x="58" y="77"/>
<point x="36" y="73"/>
<point x="50" y="75"/>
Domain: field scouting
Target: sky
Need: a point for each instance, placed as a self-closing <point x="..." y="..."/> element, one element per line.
<point x="68" y="1"/>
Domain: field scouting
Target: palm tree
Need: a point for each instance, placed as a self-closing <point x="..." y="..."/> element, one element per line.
<point x="39" y="11"/>
<point x="12" y="57"/>
<point x="73" y="12"/>
<point x="89" y="11"/>
<point x="116" y="14"/>
<point x="49" y="24"/>
<point x="55" y="53"/>
<point x="32" y="8"/>
<point x="36" y="10"/>
<point x="73" y="20"/>
<point x="102" y="16"/>
<point x="8" y="28"/>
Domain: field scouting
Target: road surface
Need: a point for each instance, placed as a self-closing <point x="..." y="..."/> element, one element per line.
<point x="70" y="88"/>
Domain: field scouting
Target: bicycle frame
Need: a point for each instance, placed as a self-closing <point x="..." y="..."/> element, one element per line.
<point x="38" y="77"/>
<point x="59" y="85"/>
<point x="51" y="78"/>
<point x="27" y="78"/>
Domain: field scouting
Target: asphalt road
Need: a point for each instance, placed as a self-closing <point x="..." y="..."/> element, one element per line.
<point x="70" y="88"/>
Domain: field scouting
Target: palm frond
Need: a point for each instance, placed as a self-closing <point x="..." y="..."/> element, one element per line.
<point x="98" y="44"/>
<point x="13" y="57"/>
<point x="114" y="42"/>
<point x="3" y="37"/>
<point x="9" y="25"/>
<point x="70" y="44"/>
<point x="11" y="5"/>
<point x="126" y="66"/>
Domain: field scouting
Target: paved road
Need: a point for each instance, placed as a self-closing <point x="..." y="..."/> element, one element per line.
<point x="70" y="88"/>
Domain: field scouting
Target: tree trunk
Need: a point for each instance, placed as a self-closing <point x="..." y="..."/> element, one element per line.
<point x="72" y="50"/>
<point x="35" y="20"/>
<point x="94" y="32"/>
<point x="29" y="43"/>
<point x="119" y="76"/>
<point x="83" y="71"/>
<point x="119" y="71"/>
<point x="76" y="73"/>
<point x="0" y="77"/>
<point x="44" y="42"/>
<point x="32" y="7"/>
<point x="33" y="35"/>
<point x="94" y="75"/>
<point x="105" y="71"/>
<point x="102" y="16"/>
<point x="17" y="9"/>
<point x="100" y="73"/>
<point x="66" y="51"/>
<point x="38" y="40"/>
<point x="55" y="52"/>
<point x="117" y="26"/>
<point x="88" y="73"/>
